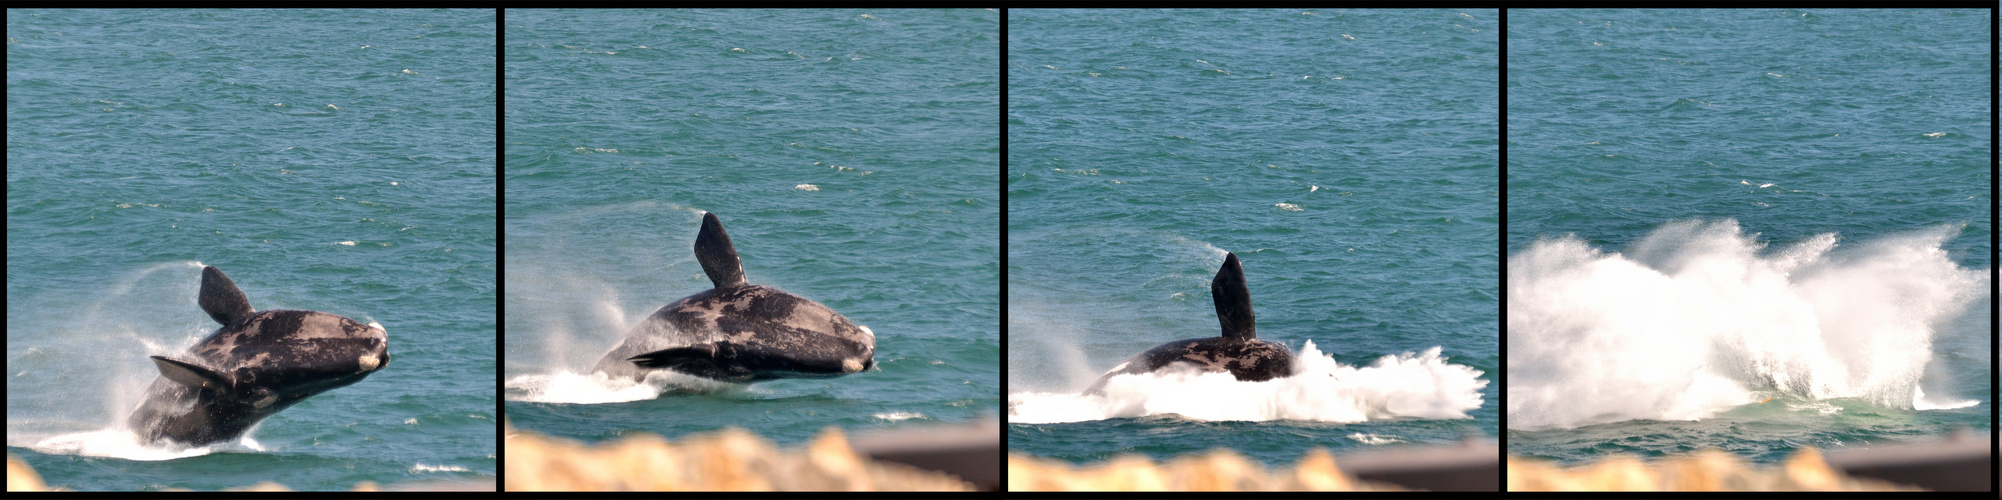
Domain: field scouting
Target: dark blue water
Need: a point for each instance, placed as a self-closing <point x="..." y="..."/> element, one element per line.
<point x="340" y="161"/>
<point x="1349" y="158"/>
<point x="852" y="157"/>
<point x="1780" y="206"/>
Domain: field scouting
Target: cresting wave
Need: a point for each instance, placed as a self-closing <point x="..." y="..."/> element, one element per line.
<point x="1420" y="385"/>
<point x="1697" y="318"/>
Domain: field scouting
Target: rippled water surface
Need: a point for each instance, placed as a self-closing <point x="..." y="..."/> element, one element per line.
<point x="1349" y="158"/>
<point x="340" y="161"/>
<point x="852" y="155"/>
<point x="1754" y="230"/>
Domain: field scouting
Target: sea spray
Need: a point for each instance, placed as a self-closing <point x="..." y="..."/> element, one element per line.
<point x="147" y="312"/>
<point x="118" y="442"/>
<point x="596" y="388"/>
<point x="1420" y="385"/>
<point x="1695" y="318"/>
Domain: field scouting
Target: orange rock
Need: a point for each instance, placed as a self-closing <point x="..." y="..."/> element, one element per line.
<point x="726" y="460"/>
<point x="21" y="477"/>
<point x="1709" y="470"/>
<point x="1317" y="472"/>
<point x="1217" y="470"/>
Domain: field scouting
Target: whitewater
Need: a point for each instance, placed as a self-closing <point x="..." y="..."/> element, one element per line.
<point x="1700" y="317"/>
<point x="1408" y="385"/>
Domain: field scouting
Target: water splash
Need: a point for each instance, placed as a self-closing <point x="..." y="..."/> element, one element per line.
<point x="1421" y="385"/>
<point x="595" y="388"/>
<point x="1921" y="402"/>
<point x="118" y="442"/>
<point x="1695" y="318"/>
<point x="148" y="311"/>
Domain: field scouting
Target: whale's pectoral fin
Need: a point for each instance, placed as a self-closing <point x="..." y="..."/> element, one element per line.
<point x="190" y="374"/>
<point x="717" y="255"/>
<point x="701" y="360"/>
<point x="221" y="299"/>
<point x="669" y="358"/>
<point x="1233" y="300"/>
<point x="1098" y="387"/>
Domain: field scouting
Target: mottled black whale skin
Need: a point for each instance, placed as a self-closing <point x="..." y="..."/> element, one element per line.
<point x="256" y="365"/>
<point x="740" y="332"/>
<point x="1238" y="350"/>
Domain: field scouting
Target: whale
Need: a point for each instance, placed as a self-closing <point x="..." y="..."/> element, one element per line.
<point x="739" y="332"/>
<point x="1238" y="350"/>
<point x="257" y="364"/>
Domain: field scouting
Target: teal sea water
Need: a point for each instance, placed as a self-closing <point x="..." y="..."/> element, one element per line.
<point x="1750" y="230"/>
<point x="340" y="161"/>
<point x="851" y="154"/>
<point x="1350" y="159"/>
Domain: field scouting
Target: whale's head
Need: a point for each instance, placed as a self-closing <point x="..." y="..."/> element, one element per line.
<point x="256" y="364"/>
<point x="253" y="368"/>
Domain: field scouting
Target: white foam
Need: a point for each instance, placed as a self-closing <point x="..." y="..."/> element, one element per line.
<point x="1921" y="402"/>
<point x="1421" y="385"/>
<point x="898" y="416"/>
<point x="1287" y="207"/>
<point x="807" y="187"/>
<point x="117" y="442"/>
<point x="1697" y="316"/>
<point x="597" y="388"/>
<point x="1374" y="439"/>
<point x="437" y="468"/>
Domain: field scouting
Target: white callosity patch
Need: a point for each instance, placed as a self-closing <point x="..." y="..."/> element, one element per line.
<point x="1695" y="318"/>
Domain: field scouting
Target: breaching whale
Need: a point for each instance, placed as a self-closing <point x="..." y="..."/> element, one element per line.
<point x="740" y="332"/>
<point x="257" y="364"/>
<point x="1238" y="350"/>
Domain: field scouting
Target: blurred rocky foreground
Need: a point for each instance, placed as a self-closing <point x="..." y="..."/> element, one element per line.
<point x="1217" y="470"/>
<point x="1960" y="463"/>
<point x="1471" y="466"/>
<point x="1703" y="471"/>
<point x="21" y="477"/>
<point x="736" y="460"/>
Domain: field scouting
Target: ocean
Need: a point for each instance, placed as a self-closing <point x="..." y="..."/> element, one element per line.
<point x="1748" y="230"/>
<point x="852" y="155"/>
<point x="340" y="161"/>
<point x="1350" y="159"/>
